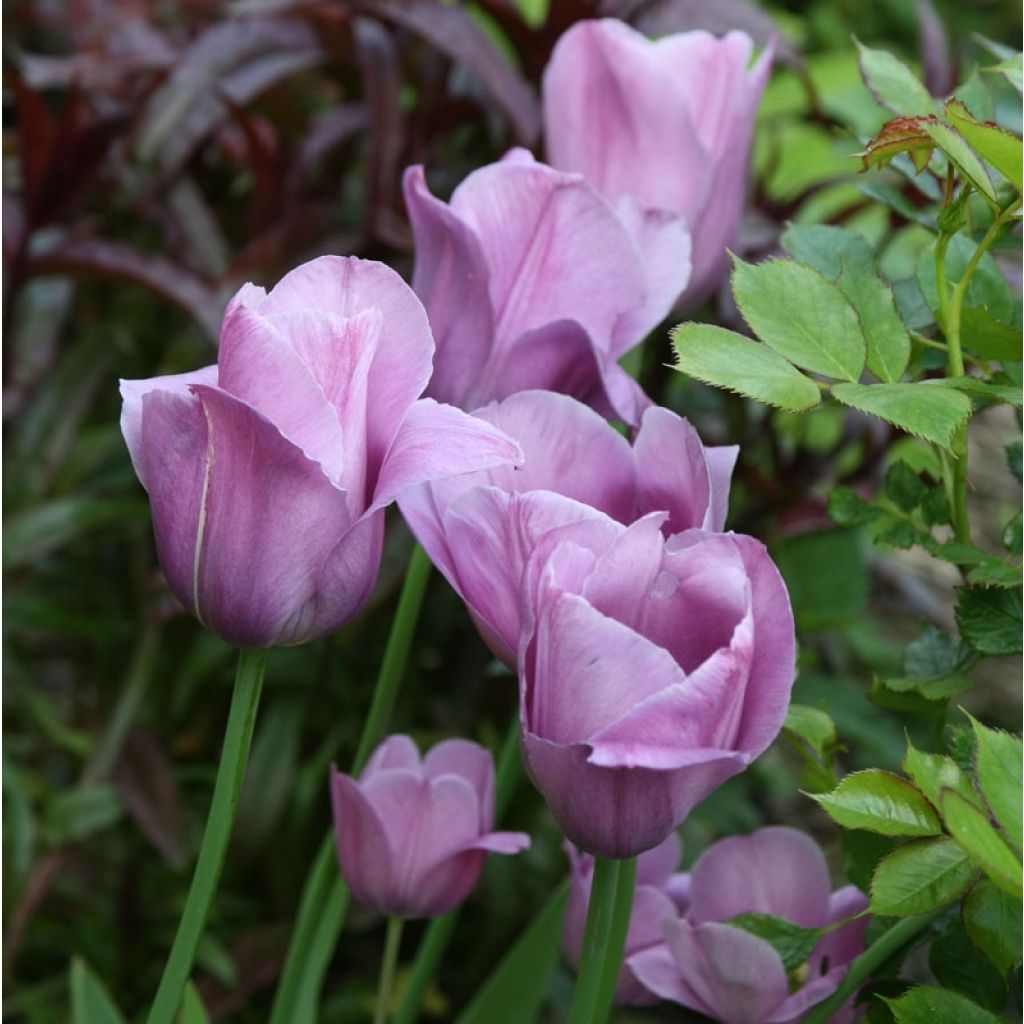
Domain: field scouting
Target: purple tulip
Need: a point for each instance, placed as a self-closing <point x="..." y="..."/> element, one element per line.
<point x="268" y="474"/>
<point x="660" y="895"/>
<point x="480" y="528"/>
<point x="412" y="835"/>
<point x="650" y="671"/>
<point x="531" y="280"/>
<point x="733" y="976"/>
<point x="665" y="123"/>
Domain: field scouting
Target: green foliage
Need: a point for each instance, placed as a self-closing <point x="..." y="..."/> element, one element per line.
<point x="990" y="619"/>
<point x="888" y="342"/>
<point x="920" y="876"/>
<point x="998" y="765"/>
<point x="927" y="1005"/>
<point x="90" y="1001"/>
<point x="996" y="145"/>
<point x="992" y="920"/>
<point x="932" y="413"/>
<point x="957" y="965"/>
<point x="892" y="83"/>
<point x="792" y="942"/>
<point x="970" y="827"/>
<point x="880" y="802"/>
<point x="828" y="249"/>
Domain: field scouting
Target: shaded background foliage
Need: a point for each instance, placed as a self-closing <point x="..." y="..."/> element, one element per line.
<point x="158" y="155"/>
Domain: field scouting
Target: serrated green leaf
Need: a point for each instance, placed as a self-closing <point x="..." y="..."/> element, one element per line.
<point x="862" y="852"/>
<point x="1013" y="535"/>
<point x="812" y="725"/>
<point x="993" y="572"/>
<point x="957" y="965"/>
<point x="1014" y="461"/>
<point x="957" y="150"/>
<point x="935" y="653"/>
<point x="971" y="829"/>
<point x="975" y="95"/>
<point x="932" y="413"/>
<point x="999" y="147"/>
<point x="800" y="314"/>
<point x="880" y="802"/>
<point x="990" y="620"/>
<point x="920" y="876"/>
<point x="987" y="337"/>
<point x="992" y="920"/>
<point x="892" y="83"/>
<point x="987" y="289"/>
<point x="928" y="1005"/>
<point x="91" y="1003"/>
<point x="983" y="389"/>
<point x="904" y="487"/>
<point x="932" y="773"/>
<point x="1011" y="68"/>
<point x="728" y="360"/>
<point x="792" y="942"/>
<point x="827" y="248"/>
<point x="888" y="343"/>
<point x="930" y="688"/>
<point x="999" y="757"/>
<point x="848" y="508"/>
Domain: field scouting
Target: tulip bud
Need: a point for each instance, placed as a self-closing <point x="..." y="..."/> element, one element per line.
<point x="412" y="835"/>
<point x="268" y="474"/>
<point x="736" y="977"/>
<point x="665" y="124"/>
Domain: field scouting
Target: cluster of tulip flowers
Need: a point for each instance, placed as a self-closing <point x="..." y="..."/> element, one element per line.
<point x="654" y="651"/>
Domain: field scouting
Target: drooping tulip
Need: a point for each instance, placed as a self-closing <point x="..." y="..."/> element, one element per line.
<point x="268" y="474"/>
<point x="412" y="834"/>
<point x="664" y="123"/>
<point x="734" y="976"/>
<point x="650" y="671"/>
<point x="532" y="280"/>
<point x="480" y="528"/>
<point x="660" y="895"/>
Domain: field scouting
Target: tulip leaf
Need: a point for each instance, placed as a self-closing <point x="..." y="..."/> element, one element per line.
<point x="931" y="413"/>
<point x="827" y="248"/>
<point x="992" y="920"/>
<point x="999" y="147"/>
<point x="803" y="316"/>
<point x="728" y="360"/>
<point x="880" y="802"/>
<point x="90" y="1001"/>
<point x="920" y="876"/>
<point x="932" y="773"/>
<point x="892" y="83"/>
<point x="971" y="828"/>
<point x="990" y="620"/>
<point x="887" y="339"/>
<point x="193" y="1010"/>
<point x="928" y="1005"/>
<point x="998" y="766"/>
<point x="516" y="989"/>
<point x="792" y="942"/>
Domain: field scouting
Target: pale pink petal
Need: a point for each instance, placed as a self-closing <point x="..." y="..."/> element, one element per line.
<point x="721" y="462"/>
<point x="396" y="753"/>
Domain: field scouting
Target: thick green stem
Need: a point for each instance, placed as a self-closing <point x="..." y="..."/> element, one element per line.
<point x="439" y="932"/>
<point x="325" y="895"/>
<point x="388" y="968"/>
<point x="604" y="940"/>
<point x="874" y="957"/>
<point x="230" y="773"/>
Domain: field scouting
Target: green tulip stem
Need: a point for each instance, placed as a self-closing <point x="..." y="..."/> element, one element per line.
<point x="388" y="968"/>
<point x="604" y="941"/>
<point x="325" y="896"/>
<point x="230" y="773"/>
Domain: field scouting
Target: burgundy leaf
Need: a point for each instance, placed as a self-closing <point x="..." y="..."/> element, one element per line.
<point x="36" y="133"/>
<point x="328" y="131"/>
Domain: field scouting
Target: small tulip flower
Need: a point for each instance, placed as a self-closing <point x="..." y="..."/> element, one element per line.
<point x="412" y="835"/>
<point x="480" y="528"/>
<point x="664" y="123"/>
<point x="268" y="474"/>
<point x="738" y="978"/>
<point x="660" y="895"/>
<point x="650" y="671"/>
<point x="532" y="280"/>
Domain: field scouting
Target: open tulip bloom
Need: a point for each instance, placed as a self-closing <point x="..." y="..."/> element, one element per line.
<point x="532" y="280"/>
<point x="734" y="976"/>
<point x="268" y="474"/>
<point x="661" y="124"/>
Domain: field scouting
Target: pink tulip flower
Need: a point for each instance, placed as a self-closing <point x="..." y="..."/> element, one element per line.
<point x="480" y="528"/>
<point x="412" y="835"/>
<point x="660" y="895"/>
<point x="650" y="671"/>
<point x="666" y="124"/>
<point x="268" y="474"/>
<point x="531" y="280"/>
<point x="733" y="976"/>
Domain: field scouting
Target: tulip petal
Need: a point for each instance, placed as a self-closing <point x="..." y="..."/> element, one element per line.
<point x="672" y="470"/>
<point x="132" y="394"/>
<point x="364" y="851"/>
<point x="778" y="871"/>
<point x="657" y="971"/>
<point x="468" y="761"/>
<point x="260" y="366"/>
<point x="347" y="286"/>
<point x="721" y="462"/>
<point x="603" y="73"/>
<point x="845" y="943"/>
<point x="662" y="241"/>
<point x="396" y="753"/>
<point x="736" y="975"/>
<point x="435" y="441"/>
<point x="450" y="277"/>
<point x="555" y="250"/>
<point x="266" y="507"/>
<point x="655" y="867"/>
